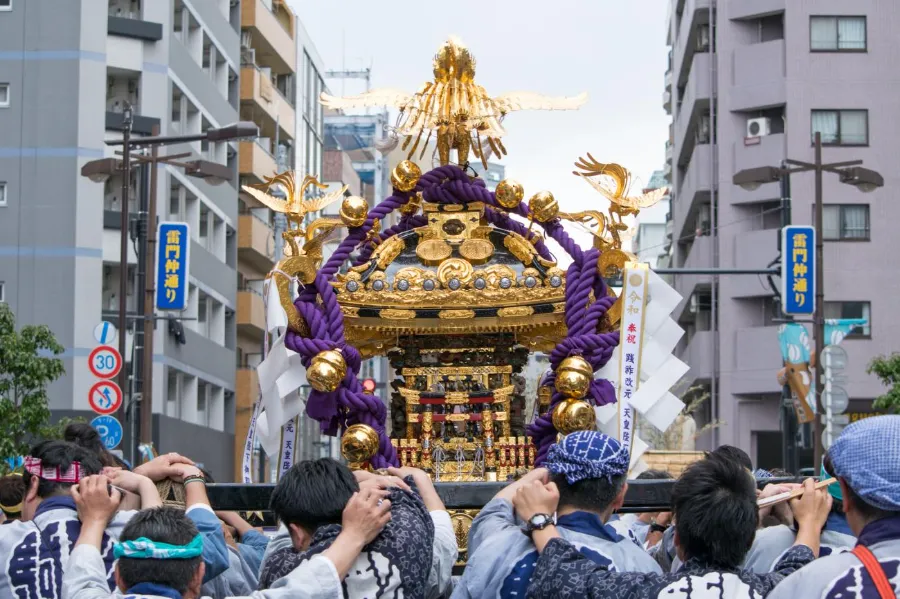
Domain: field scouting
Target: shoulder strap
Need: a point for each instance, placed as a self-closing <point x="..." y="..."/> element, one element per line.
<point x="876" y="572"/>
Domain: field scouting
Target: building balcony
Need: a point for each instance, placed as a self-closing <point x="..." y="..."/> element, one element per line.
<point x="752" y="9"/>
<point x="254" y="162"/>
<point x="251" y="314"/>
<point x="134" y="27"/>
<point x="262" y="103"/>
<point x="768" y="150"/>
<point x="667" y="102"/>
<point x="256" y="243"/>
<point x="699" y="356"/>
<point x="695" y="189"/>
<point x="272" y="37"/>
<point x="694" y="16"/>
<point x="699" y="255"/>
<point x="757" y="361"/>
<point x="694" y="104"/>
<point x="759" y="77"/>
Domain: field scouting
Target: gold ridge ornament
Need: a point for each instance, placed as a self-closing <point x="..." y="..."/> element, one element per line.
<point x="509" y="193"/>
<point x="405" y="175"/>
<point x="359" y="444"/>
<point x="354" y="211"/>
<point x="573" y="415"/>
<point x="573" y="377"/>
<point x="543" y="206"/>
<point x="326" y="371"/>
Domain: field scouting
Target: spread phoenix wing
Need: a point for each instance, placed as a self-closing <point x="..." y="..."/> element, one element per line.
<point x="533" y="101"/>
<point x="320" y="202"/>
<point x="375" y="97"/>
<point x="273" y="203"/>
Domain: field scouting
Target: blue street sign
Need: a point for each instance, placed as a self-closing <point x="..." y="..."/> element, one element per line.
<point x="173" y="240"/>
<point x="110" y="430"/>
<point x="798" y="270"/>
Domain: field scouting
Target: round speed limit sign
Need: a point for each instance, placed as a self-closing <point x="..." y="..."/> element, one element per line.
<point x="105" y="362"/>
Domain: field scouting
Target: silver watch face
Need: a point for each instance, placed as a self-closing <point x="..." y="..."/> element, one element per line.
<point x="539" y="520"/>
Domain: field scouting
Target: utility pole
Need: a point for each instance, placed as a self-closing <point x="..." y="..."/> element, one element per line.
<point x="127" y="119"/>
<point x="149" y="230"/>
<point x="818" y="449"/>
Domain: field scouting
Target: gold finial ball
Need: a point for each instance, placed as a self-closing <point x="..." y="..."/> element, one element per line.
<point x="359" y="443"/>
<point x="326" y="371"/>
<point x="573" y="415"/>
<point x="405" y="175"/>
<point x="573" y="377"/>
<point x="354" y="211"/>
<point x="543" y="206"/>
<point x="509" y="193"/>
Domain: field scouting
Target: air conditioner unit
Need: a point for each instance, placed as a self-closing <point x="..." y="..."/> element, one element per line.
<point x="245" y="39"/>
<point x="759" y="127"/>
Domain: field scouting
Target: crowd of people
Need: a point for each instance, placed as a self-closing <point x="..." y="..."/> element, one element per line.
<point x="81" y="524"/>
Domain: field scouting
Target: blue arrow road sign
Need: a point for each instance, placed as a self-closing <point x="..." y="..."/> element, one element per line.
<point x="110" y="430"/>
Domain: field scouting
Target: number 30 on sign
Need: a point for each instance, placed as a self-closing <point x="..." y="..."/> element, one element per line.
<point x="105" y="362"/>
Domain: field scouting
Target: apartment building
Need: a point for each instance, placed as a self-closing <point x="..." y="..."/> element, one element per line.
<point x="748" y="84"/>
<point x="67" y="71"/>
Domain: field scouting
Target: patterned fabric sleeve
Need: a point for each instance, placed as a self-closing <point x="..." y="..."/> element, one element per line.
<point x="562" y="572"/>
<point x="797" y="557"/>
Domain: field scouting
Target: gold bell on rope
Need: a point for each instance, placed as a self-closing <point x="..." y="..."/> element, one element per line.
<point x="573" y="377"/>
<point x="509" y="193"/>
<point x="405" y="175"/>
<point x="543" y="206"/>
<point x="359" y="444"/>
<point x="354" y="211"/>
<point x="326" y="371"/>
<point x="573" y="415"/>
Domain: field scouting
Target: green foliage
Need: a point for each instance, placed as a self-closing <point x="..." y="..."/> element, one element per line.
<point x="887" y="369"/>
<point x="27" y="366"/>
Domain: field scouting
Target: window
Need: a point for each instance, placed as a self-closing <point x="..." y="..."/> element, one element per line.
<point x="845" y="222"/>
<point x="2" y="292"/>
<point x="4" y="91"/>
<point x="852" y="310"/>
<point x="841" y="127"/>
<point x="837" y="34"/>
<point x="5" y="4"/>
<point x="2" y="193"/>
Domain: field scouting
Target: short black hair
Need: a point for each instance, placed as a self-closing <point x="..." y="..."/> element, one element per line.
<point x="715" y="510"/>
<point x="780" y="473"/>
<point x="735" y="454"/>
<point x="868" y="511"/>
<point x="12" y="493"/>
<point x="86" y="436"/>
<point x="313" y="493"/>
<point x="61" y="454"/>
<point x="164" y="525"/>
<point x="591" y="494"/>
<point x="654" y="475"/>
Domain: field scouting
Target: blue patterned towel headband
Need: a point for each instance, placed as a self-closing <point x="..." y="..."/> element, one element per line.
<point x="144" y="548"/>
<point x="587" y="454"/>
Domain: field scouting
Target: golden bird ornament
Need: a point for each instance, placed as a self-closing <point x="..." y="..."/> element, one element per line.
<point x="460" y="113"/>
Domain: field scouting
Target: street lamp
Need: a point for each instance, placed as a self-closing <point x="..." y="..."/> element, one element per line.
<point x="99" y="171"/>
<point x="849" y="172"/>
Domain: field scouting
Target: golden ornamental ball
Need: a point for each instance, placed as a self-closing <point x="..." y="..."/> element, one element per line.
<point x="326" y="371"/>
<point x="573" y="377"/>
<point x="543" y="206"/>
<point x="573" y="415"/>
<point x="405" y="175"/>
<point x="359" y="443"/>
<point x="354" y="211"/>
<point x="509" y="193"/>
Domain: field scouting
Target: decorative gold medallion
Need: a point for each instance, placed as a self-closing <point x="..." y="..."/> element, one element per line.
<point x="457" y="270"/>
<point x="456" y="314"/>
<point x="476" y="251"/>
<point x="433" y="251"/>
<point x="515" y="311"/>
<point x="392" y="314"/>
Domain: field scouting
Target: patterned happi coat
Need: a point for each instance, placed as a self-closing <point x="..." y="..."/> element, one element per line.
<point x="563" y="572"/>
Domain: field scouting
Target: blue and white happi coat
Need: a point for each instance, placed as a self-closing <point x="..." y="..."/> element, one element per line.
<point x="563" y="572"/>
<point x="773" y="542"/>
<point x="501" y="559"/>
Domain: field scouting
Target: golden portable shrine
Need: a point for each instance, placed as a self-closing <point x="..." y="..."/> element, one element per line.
<point x="456" y="292"/>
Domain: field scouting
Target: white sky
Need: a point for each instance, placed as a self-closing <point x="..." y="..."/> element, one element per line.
<point x="614" y="50"/>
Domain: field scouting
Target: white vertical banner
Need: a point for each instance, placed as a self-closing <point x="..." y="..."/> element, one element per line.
<point x="288" y="445"/>
<point x="631" y="344"/>
<point x="247" y="464"/>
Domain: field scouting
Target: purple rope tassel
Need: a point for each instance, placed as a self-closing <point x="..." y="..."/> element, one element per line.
<point x="318" y="305"/>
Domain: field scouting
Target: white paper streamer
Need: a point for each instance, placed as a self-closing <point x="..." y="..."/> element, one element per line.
<point x="247" y="463"/>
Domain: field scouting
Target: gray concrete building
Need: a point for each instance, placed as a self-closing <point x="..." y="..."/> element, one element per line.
<point x="749" y="82"/>
<point x="67" y="70"/>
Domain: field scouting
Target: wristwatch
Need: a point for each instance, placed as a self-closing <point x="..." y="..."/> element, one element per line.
<point x="654" y="527"/>
<point x="538" y="522"/>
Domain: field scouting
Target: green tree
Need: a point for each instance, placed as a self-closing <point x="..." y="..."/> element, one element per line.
<point x="887" y="369"/>
<point x="27" y="365"/>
